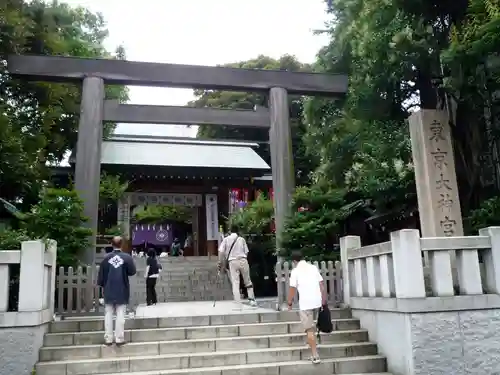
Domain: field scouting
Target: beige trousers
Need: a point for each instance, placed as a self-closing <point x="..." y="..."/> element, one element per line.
<point x="237" y="267"/>
<point x="119" y="331"/>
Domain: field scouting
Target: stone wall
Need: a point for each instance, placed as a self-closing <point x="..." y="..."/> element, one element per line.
<point x="457" y="342"/>
<point x="22" y="331"/>
<point x="19" y="349"/>
<point x="439" y="328"/>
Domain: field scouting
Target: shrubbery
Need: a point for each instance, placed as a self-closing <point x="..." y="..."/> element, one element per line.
<point x="57" y="216"/>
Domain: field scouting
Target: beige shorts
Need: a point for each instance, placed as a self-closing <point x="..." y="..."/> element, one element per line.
<point x="307" y="318"/>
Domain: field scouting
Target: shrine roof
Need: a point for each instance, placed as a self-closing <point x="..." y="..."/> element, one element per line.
<point x="175" y="152"/>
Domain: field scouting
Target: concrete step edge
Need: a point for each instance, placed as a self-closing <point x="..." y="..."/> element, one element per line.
<point x="196" y="371"/>
<point x="201" y="354"/>
<point x="195" y="341"/>
<point x="240" y="314"/>
<point x="211" y="370"/>
<point x="200" y="328"/>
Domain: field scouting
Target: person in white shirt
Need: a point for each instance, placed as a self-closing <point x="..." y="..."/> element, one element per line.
<point x="308" y="282"/>
<point x="234" y="251"/>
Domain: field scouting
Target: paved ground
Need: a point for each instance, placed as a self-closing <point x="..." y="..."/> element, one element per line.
<point x="197" y="308"/>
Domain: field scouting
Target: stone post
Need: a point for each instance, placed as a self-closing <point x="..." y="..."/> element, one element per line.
<point x="123" y="217"/>
<point x="32" y="278"/>
<point x="435" y="176"/>
<point x="281" y="157"/>
<point x="491" y="260"/>
<point x="88" y="155"/>
<point x="348" y="243"/>
<point x="407" y="264"/>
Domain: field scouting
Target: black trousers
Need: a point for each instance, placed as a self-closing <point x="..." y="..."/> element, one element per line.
<point x="151" y="297"/>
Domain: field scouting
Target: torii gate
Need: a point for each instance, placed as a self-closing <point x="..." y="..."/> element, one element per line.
<point x="95" y="73"/>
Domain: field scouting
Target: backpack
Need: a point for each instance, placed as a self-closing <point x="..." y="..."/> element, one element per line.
<point x="324" y="323"/>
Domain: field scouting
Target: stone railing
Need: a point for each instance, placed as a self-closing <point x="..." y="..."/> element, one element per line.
<point x="428" y="317"/>
<point x="27" y="285"/>
<point x="395" y="268"/>
<point x="36" y="261"/>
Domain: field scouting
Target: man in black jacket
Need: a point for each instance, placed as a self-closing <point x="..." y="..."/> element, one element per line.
<point x="114" y="273"/>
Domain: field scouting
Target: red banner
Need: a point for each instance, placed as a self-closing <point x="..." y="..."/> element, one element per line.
<point x="234" y="198"/>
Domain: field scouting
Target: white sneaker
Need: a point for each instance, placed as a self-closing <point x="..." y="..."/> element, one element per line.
<point x="252" y="302"/>
<point x="315" y="360"/>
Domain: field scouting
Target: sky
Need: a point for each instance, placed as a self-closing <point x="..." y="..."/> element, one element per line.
<point x="205" y="32"/>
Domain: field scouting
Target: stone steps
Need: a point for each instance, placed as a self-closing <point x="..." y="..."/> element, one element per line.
<point x="97" y="324"/>
<point x="285" y="368"/>
<point x="195" y="333"/>
<point x="153" y="362"/>
<point x="220" y="344"/>
<point x="247" y="342"/>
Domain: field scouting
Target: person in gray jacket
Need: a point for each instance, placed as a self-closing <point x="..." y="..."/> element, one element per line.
<point x="113" y="278"/>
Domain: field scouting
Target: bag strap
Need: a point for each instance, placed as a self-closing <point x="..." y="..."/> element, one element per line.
<point x="231" y="248"/>
<point x="318" y="336"/>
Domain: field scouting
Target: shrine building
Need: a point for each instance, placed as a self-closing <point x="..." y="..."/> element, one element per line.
<point x="212" y="177"/>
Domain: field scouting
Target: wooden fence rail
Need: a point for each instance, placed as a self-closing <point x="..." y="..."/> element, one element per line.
<point x="332" y="276"/>
<point x="77" y="293"/>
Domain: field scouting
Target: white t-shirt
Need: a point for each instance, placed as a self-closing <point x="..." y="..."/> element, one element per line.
<point x="306" y="278"/>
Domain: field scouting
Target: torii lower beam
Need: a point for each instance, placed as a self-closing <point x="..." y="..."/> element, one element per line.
<point x="119" y="72"/>
<point x="154" y="114"/>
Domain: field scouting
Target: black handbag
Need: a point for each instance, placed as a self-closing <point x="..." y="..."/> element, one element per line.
<point x="324" y="324"/>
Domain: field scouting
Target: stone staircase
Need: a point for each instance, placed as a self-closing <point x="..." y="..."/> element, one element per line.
<point x="182" y="280"/>
<point x="250" y="343"/>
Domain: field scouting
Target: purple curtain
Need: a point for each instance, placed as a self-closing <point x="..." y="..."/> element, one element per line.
<point x="155" y="234"/>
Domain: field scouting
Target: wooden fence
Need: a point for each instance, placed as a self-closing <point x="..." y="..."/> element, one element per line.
<point x="332" y="276"/>
<point x="78" y="294"/>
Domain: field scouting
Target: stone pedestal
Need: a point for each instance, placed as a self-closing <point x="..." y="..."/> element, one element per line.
<point x="435" y="176"/>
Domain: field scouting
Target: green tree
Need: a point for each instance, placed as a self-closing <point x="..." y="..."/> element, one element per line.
<point x="318" y="213"/>
<point x="399" y="56"/>
<point x="157" y="214"/>
<point x="38" y="121"/>
<point x="57" y="216"/>
<point x="304" y="162"/>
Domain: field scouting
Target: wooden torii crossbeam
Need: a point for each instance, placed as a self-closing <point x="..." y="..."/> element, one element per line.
<point x="95" y="73"/>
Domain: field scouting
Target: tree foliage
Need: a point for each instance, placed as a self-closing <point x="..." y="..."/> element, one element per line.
<point x="255" y="220"/>
<point x="401" y="56"/>
<point x="304" y="162"/>
<point x="38" y="120"/>
<point x="57" y="216"/>
<point x="158" y="214"/>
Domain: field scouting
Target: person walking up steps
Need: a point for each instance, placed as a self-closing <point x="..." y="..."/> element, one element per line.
<point x="114" y="273"/>
<point x="233" y="252"/>
<point x="306" y="279"/>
